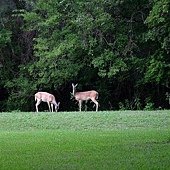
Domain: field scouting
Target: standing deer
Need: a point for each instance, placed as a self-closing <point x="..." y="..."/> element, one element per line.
<point x="46" y="97"/>
<point x="85" y="96"/>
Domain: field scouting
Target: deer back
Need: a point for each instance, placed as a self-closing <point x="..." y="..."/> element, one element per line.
<point x="86" y="95"/>
<point x="45" y="97"/>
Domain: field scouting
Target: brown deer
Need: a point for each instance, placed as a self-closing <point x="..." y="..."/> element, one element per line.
<point x="85" y="96"/>
<point x="46" y="97"/>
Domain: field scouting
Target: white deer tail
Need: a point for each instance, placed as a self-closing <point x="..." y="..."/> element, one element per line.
<point x="97" y="95"/>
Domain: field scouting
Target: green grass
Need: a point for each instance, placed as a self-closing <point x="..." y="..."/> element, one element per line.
<point x="86" y="140"/>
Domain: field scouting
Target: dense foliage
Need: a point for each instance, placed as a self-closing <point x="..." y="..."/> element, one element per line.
<point x="119" y="48"/>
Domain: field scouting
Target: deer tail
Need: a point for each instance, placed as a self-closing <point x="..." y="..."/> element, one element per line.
<point x="35" y="98"/>
<point x="97" y="95"/>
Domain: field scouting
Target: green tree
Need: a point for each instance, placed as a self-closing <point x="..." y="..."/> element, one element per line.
<point x="158" y="39"/>
<point x="119" y="48"/>
<point x="158" y="34"/>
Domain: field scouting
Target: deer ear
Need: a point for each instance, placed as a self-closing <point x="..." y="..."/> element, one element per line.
<point x="74" y="85"/>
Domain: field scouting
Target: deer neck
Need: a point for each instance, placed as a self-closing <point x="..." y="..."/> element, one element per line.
<point x="74" y="91"/>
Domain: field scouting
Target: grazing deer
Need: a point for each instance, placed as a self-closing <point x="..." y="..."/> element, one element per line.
<point x="46" y="97"/>
<point x="85" y="96"/>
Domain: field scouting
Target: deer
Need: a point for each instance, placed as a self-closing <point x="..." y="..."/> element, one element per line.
<point x="85" y="96"/>
<point x="46" y="97"/>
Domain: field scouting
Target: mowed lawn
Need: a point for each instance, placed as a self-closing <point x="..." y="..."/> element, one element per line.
<point x="87" y="140"/>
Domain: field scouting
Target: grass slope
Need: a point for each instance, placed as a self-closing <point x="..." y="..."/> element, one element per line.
<point x="87" y="140"/>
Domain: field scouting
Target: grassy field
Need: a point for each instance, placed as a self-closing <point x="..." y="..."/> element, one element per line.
<point x="86" y="140"/>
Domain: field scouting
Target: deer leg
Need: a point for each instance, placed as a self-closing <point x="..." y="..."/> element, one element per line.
<point x="49" y="106"/>
<point x="86" y="105"/>
<point x="96" y="103"/>
<point x="52" y="106"/>
<point x="80" y="104"/>
<point x="38" y="102"/>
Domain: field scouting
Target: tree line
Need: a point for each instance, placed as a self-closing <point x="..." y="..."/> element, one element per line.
<point x="119" y="48"/>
